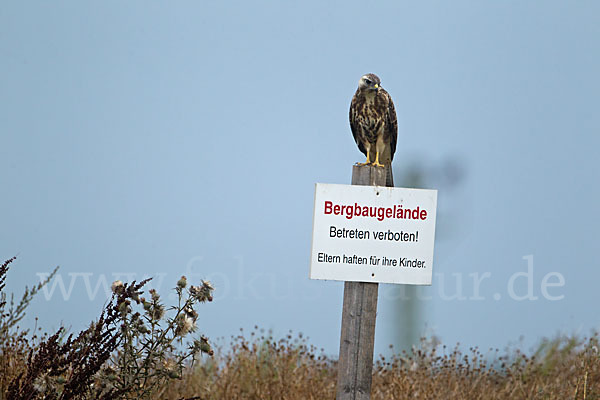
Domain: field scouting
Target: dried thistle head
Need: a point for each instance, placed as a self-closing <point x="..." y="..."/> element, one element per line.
<point x="190" y="312"/>
<point x="154" y="294"/>
<point x="202" y="345"/>
<point x="185" y="325"/>
<point x="117" y="287"/>
<point x="203" y="292"/>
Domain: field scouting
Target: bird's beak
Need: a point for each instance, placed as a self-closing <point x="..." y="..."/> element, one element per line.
<point x="376" y="88"/>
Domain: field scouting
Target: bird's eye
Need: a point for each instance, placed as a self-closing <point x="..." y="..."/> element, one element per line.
<point x="368" y="81"/>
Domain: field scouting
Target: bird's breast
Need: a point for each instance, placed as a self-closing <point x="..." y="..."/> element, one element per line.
<point x="371" y="126"/>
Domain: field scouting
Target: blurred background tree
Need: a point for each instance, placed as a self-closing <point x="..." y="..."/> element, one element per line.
<point x="447" y="176"/>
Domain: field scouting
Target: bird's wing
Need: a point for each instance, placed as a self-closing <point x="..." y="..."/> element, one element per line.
<point x="391" y="123"/>
<point x="354" y="125"/>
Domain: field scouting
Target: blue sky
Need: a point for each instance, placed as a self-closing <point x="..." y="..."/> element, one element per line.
<point x="166" y="138"/>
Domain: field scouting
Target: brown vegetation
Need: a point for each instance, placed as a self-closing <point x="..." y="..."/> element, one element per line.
<point x="125" y="354"/>
<point x="290" y="369"/>
<point x="138" y="355"/>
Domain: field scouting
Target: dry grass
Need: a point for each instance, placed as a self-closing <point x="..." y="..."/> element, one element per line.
<point x="259" y="368"/>
<point x="134" y="355"/>
<point x="561" y="369"/>
<point x="290" y="369"/>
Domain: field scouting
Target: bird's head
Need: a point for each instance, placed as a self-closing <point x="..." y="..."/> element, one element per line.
<point x="369" y="82"/>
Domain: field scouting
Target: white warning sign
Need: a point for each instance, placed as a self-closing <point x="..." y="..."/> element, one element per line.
<point x="373" y="234"/>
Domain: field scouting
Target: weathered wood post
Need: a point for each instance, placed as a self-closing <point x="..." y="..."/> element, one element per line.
<point x="355" y="368"/>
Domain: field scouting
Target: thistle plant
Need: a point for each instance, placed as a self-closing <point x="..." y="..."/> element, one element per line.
<point x="156" y="342"/>
<point x="66" y="366"/>
<point x="135" y="346"/>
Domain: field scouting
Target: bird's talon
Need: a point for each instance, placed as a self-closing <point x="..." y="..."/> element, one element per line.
<point x="376" y="164"/>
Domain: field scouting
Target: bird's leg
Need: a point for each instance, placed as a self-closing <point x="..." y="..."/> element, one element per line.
<point x="376" y="163"/>
<point x="368" y="159"/>
<point x="366" y="162"/>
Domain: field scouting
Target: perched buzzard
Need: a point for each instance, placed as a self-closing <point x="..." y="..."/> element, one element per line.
<point x="373" y="123"/>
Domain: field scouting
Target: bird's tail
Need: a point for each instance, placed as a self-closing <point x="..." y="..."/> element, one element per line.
<point x="389" y="178"/>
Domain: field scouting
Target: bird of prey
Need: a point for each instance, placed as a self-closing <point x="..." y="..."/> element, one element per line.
<point x="373" y="123"/>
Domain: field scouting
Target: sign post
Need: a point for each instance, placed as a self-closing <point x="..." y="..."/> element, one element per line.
<point x="364" y="234"/>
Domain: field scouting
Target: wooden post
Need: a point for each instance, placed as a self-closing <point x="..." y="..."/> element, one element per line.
<point x="355" y="367"/>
